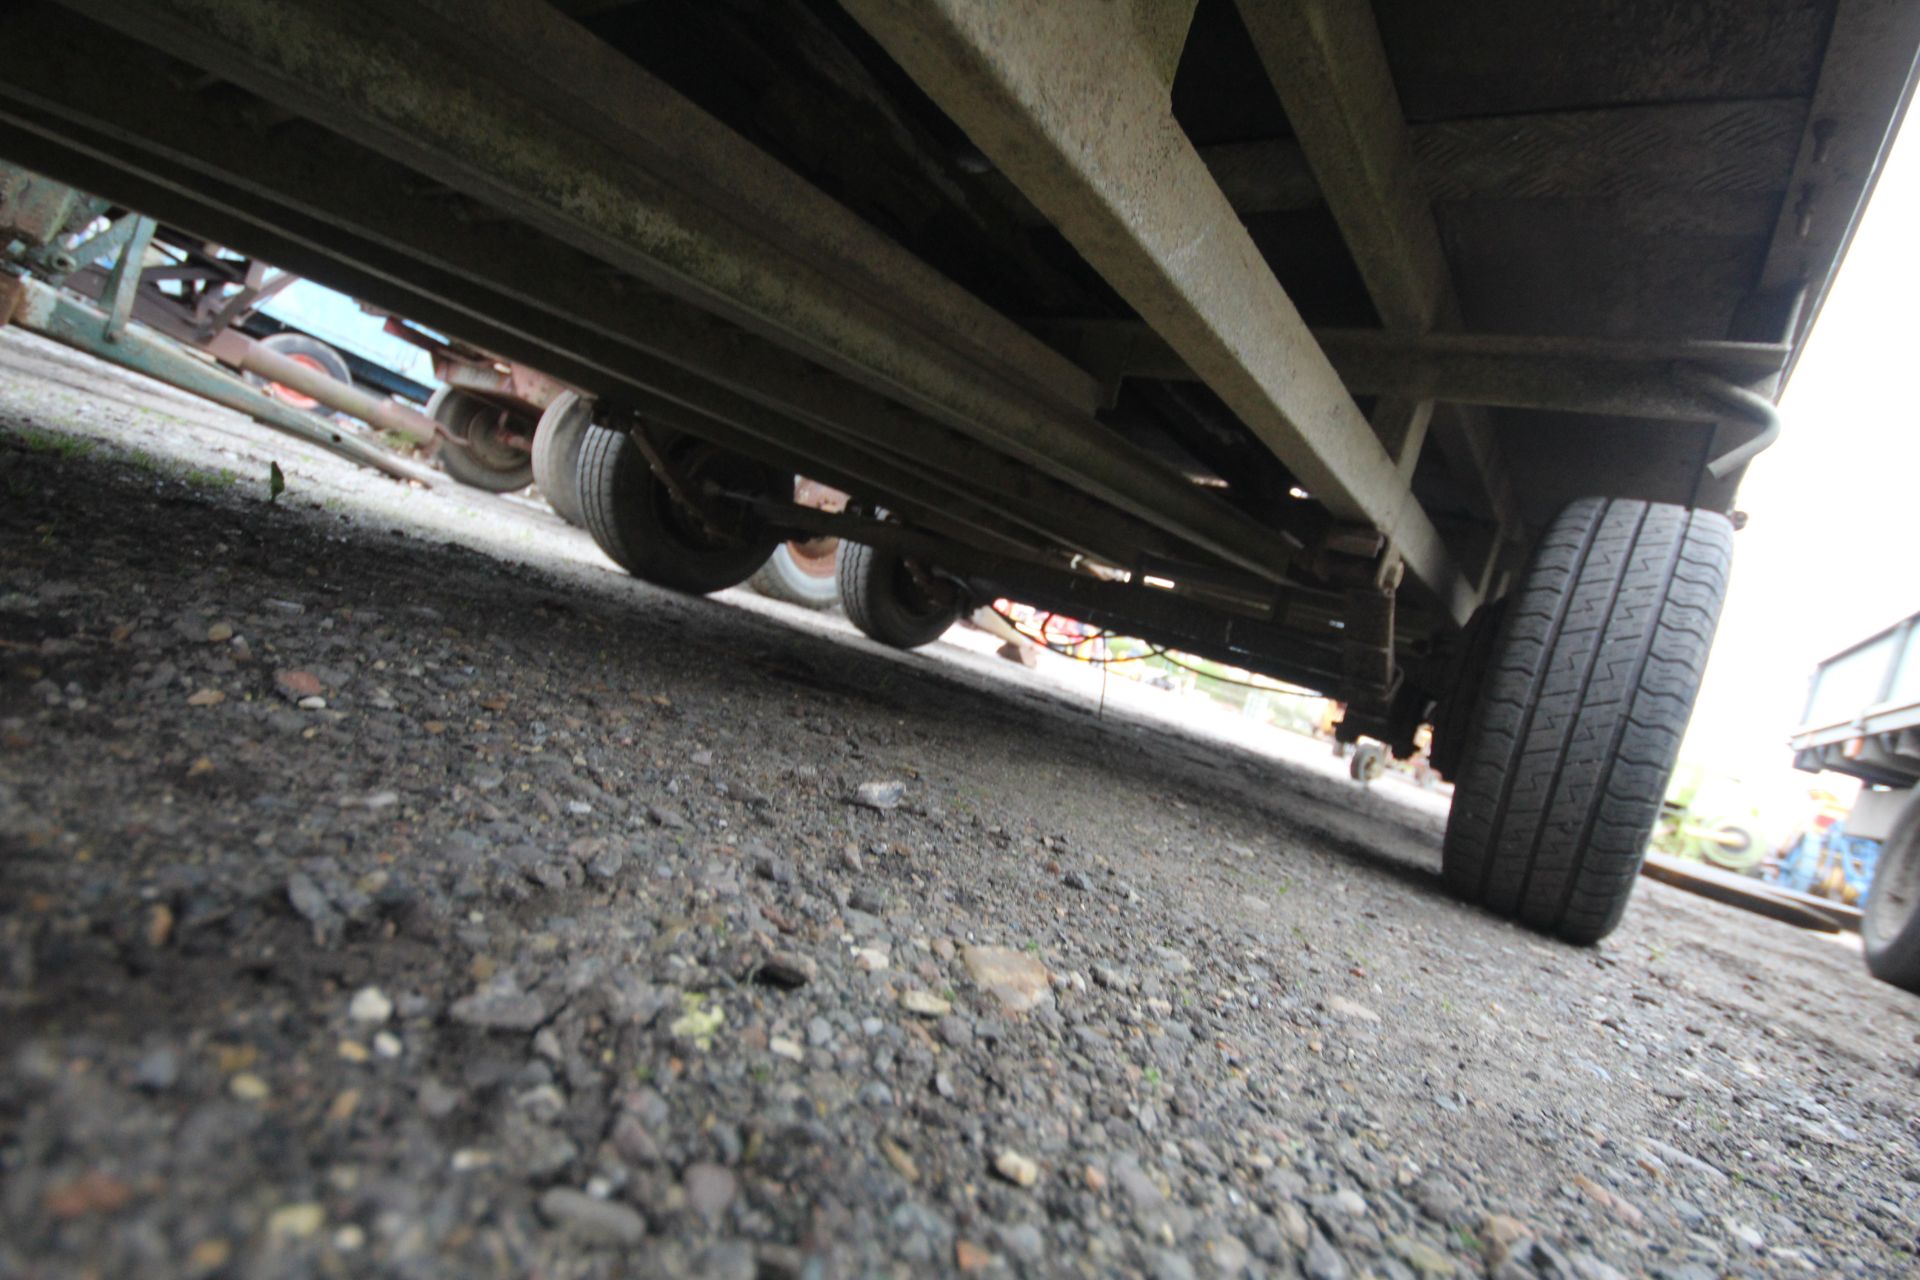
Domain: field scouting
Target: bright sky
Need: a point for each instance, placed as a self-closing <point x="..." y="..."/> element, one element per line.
<point x="1832" y="551"/>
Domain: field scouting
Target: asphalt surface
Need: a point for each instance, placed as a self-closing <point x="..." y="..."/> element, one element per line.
<point x="389" y="886"/>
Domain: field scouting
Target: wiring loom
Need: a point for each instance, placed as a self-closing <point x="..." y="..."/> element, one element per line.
<point x="1154" y="651"/>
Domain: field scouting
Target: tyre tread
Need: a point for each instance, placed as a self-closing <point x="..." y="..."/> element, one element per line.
<point x="865" y="575"/>
<point x="617" y="504"/>
<point x="1584" y="705"/>
<point x="1893" y="946"/>
<point x="557" y="442"/>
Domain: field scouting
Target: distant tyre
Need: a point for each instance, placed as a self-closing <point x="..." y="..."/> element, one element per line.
<point x="1368" y="763"/>
<point x="802" y="573"/>
<point x="1730" y="846"/>
<point x="1890" y="921"/>
<point x="636" y="520"/>
<point x="893" y="600"/>
<point x="556" y="454"/>
<point x="312" y="353"/>
<point x="480" y="452"/>
<point x="1588" y="688"/>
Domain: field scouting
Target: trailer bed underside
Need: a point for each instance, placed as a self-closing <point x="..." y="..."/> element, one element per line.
<point x="1266" y="301"/>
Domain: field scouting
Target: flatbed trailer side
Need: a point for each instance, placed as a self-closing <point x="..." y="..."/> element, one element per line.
<point x="1863" y="720"/>
<point x="1863" y="710"/>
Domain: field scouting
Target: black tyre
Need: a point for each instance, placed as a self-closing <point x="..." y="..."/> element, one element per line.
<point x="1453" y="718"/>
<point x="1368" y="763"/>
<point x="637" y="521"/>
<point x="556" y="454"/>
<point x="1588" y="688"/>
<point x="480" y="453"/>
<point x="312" y="353"/>
<point x="1732" y="847"/>
<point x="890" y="602"/>
<point x="1890" y="921"/>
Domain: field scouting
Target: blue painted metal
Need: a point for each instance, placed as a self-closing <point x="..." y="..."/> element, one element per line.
<point x="1824" y="862"/>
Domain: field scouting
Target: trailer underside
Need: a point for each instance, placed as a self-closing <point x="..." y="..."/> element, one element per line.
<point x="1277" y="331"/>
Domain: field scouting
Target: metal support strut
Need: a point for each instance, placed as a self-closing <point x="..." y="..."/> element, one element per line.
<point x="52" y="314"/>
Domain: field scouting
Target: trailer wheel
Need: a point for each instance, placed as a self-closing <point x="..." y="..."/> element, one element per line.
<point x="1587" y="691"/>
<point x="480" y="453"/>
<point x="312" y="353"/>
<point x="802" y="572"/>
<point x="636" y="520"/>
<point x="892" y="600"/>
<point x="1890" y="921"/>
<point x="556" y="454"/>
<point x="1454" y="716"/>
<point x="1368" y="763"/>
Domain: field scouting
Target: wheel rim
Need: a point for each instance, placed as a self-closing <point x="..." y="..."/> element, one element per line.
<point x="814" y="557"/>
<point x="913" y="597"/>
<point x="482" y="430"/>
<point x="700" y="465"/>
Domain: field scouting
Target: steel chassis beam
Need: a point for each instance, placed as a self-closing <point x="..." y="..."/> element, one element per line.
<point x="1868" y="73"/>
<point x="1299" y="643"/>
<point x="198" y="158"/>
<point x="1326" y="62"/>
<point x="1867" y="77"/>
<point x="513" y="104"/>
<point x="412" y="287"/>
<point x="1282" y="650"/>
<point x="1728" y="158"/>
<point x="1621" y="377"/>
<point x="1620" y="154"/>
<point x="1064" y="100"/>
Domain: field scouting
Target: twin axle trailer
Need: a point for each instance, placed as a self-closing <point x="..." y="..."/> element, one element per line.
<point x="1411" y="353"/>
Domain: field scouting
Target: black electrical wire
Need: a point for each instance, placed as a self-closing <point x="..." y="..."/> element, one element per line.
<point x="1158" y="651"/>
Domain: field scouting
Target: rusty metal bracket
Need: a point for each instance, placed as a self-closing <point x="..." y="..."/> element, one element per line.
<point x="259" y="289"/>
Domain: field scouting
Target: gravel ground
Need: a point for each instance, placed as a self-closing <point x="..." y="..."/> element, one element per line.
<point x="389" y="888"/>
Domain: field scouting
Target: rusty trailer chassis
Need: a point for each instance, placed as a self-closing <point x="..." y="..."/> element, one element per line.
<point x="1278" y="329"/>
